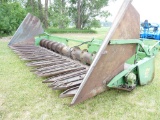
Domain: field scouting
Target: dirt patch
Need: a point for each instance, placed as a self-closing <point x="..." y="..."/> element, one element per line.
<point x="7" y="39"/>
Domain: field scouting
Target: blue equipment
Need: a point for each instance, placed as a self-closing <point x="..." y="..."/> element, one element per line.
<point x="147" y="33"/>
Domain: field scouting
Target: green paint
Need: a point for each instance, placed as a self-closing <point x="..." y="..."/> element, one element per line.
<point x="92" y="45"/>
<point x="146" y="70"/>
<point x="119" y="80"/>
<point x="140" y="65"/>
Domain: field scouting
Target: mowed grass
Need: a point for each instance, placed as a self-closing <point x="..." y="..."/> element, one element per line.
<point x="24" y="97"/>
<point x="101" y="33"/>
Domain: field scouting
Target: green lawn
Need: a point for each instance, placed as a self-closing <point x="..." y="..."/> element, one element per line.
<point x="101" y="33"/>
<point x="24" y="97"/>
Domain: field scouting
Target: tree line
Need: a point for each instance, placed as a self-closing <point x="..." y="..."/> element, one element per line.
<point x="82" y="14"/>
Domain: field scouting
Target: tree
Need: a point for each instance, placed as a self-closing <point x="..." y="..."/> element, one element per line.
<point x="40" y="10"/>
<point x="11" y="15"/>
<point x="84" y="12"/>
<point x="46" y="14"/>
<point x="78" y="25"/>
<point x="36" y="8"/>
<point x="58" y="14"/>
<point x="32" y="6"/>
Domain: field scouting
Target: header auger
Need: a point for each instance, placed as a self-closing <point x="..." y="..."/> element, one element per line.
<point x="120" y="61"/>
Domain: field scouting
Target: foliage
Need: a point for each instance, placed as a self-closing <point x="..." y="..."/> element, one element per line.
<point x="58" y="14"/>
<point x="84" y="13"/>
<point x="11" y="15"/>
<point x="35" y="8"/>
<point x="70" y="30"/>
<point x="93" y="24"/>
<point x="31" y="6"/>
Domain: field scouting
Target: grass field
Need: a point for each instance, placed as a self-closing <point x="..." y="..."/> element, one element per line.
<point x="101" y="33"/>
<point x="24" y="97"/>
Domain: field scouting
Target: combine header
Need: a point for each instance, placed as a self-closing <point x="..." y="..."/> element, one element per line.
<point x="120" y="61"/>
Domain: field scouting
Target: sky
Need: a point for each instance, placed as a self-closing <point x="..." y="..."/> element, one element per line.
<point x="148" y="9"/>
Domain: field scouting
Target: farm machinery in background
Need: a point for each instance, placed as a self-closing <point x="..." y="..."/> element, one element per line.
<point x="83" y="69"/>
<point x="150" y="31"/>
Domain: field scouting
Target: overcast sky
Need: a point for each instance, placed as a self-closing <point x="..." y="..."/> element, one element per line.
<point x="148" y="9"/>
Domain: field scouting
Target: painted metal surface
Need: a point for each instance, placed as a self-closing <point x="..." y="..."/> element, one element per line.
<point x="148" y="33"/>
<point x="74" y="52"/>
<point x="146" y="70"/>
<point x="141" y="64"/>
<point x="110" y="59"/>
<point x="91" y="45"/>
<point x="75" y="78"/>
<point x="119" y="81"/>
<point x="29" y="28"/>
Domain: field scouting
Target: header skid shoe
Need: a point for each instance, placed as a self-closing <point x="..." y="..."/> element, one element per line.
<point x="110" y="59"/>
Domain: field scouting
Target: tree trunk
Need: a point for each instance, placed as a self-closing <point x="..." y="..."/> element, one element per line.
<point x="78" y="25"/>
<point x="61" y="24"/>
<point x="32" y="5"/>
<point x="46" y="14"/>
<point x="40" y="10"/>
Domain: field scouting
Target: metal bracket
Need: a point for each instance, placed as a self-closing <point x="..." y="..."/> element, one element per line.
<point x="149" y="50"/>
